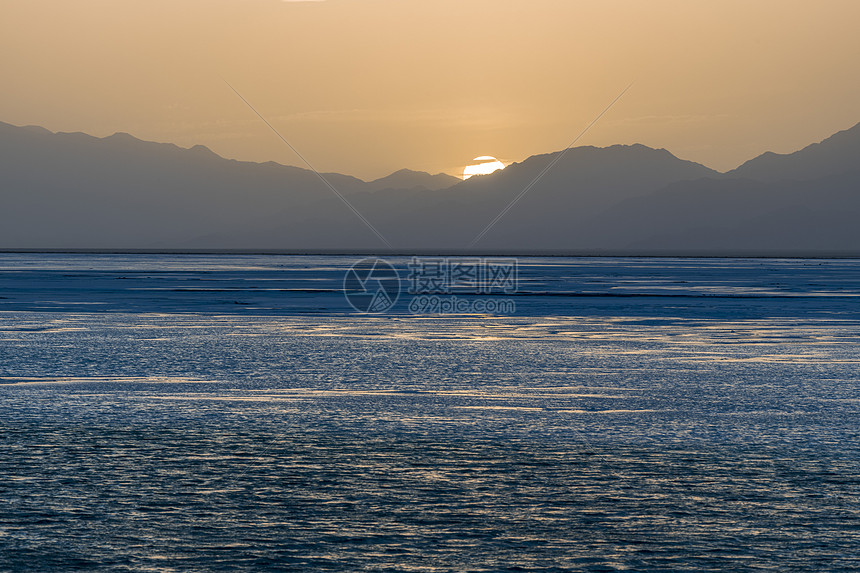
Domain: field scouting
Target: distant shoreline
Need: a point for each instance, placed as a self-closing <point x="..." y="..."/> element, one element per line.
<point x="451" y="253"/>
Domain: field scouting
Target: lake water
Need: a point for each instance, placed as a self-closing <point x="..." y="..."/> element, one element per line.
<point x="227" y="412"/>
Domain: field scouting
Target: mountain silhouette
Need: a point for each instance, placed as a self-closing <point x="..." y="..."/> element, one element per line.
<point x="582" y="182"/>
<point x="77" y="191"/>
<point x="409" y="179"/>
<point x="71" y="190"/>
<point x="738" y="216"/>
<point x="837" y="154"/>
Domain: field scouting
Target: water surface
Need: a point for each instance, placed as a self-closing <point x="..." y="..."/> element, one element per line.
<point x="215" y="412"/>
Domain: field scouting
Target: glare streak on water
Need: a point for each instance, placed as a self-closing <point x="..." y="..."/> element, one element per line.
<point x="687" y="433"/>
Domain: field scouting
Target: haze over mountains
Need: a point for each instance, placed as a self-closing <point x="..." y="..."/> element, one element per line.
<point x="74" y="191"/>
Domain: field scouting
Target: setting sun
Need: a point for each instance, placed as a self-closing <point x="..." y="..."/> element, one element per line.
<point x="484" y="166"/>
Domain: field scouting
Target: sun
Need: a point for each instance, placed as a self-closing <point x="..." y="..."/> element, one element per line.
<point x="484" y="166"/>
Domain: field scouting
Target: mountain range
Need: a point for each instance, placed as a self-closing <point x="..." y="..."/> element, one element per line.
<point x="75" y="191"/>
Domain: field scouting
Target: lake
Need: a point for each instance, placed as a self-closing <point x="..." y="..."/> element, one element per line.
<point x="235" y="412"/>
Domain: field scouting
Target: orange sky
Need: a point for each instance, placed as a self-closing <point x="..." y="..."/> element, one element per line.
<point x="366" y="87"/>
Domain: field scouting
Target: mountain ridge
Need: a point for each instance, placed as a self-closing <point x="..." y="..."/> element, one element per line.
<point x="410" y="179"/>
<point x="838" y="153"/>
<point x="73" y="190"/>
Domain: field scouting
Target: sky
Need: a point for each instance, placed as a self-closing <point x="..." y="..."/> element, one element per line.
<point x="366" y="87"/>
